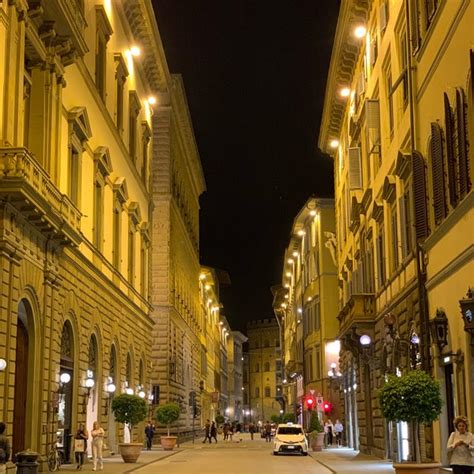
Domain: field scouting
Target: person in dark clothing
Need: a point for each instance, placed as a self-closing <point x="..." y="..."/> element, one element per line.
<point x="149" y="433"/>
<point x="213" y="432"/>
<point x="207" y="432"/>
<point x="268" y="432"/>
<point x="5" y="450"/>
<point x="251" y="430"/>
<point x="81" y="448"/>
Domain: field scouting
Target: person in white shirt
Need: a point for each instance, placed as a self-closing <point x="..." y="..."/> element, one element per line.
<point x="461" y="447"/>
<point x="97" y="443"/>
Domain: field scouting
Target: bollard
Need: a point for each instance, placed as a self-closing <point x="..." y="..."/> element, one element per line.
<point x="26" y="462"/>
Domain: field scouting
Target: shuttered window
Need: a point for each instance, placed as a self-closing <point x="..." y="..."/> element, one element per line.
<point x="381" y="256"/>
<point x="373" y="125"/>
<point x="437" y="173"/>
<point x="355" y="173"/>
<point x="415" y="25"/>
<point x="419" y="196"/>
<point x="394" y="236"/>
<point x="450" y="152"/>
<point x="461" y="123"/>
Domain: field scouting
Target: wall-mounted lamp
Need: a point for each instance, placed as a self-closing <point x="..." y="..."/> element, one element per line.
<point x="90" y="382"/>
<point x="129" y="391"/>
<point x="439" y="329"/>
<point x="110" y="388"/>
<point x="64" y="379"/>
<point x="467" y="311"/>
<point x="3" y="364"/>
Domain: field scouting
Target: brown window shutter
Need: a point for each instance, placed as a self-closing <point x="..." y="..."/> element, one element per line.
<point x="414" y="26"/>
<point x="419" y="196"/>
<point x="450" y="154"/>
<point x="437" y="173"/>
<point x="463" y="158"/>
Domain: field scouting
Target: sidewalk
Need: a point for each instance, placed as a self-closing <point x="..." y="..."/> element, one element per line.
<point x="348" y="461"/>
<point x="115" y="465"/>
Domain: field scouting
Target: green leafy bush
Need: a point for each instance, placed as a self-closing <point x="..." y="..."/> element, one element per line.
<point x="220" y="419"/>
<point x="129" y="410"/>
<point x="315" y="425"/>
<point x="167" y="414"/>
<point x="276" y="419"/>
<point x="288" y="418"/>
<point x="415" y="398"/>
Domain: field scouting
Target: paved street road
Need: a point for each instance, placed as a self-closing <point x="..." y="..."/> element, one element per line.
<point x="248" y="457"/>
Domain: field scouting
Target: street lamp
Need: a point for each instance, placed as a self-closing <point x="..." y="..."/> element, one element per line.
<point x="110" y="388"/>
<point x="3" y="364"/>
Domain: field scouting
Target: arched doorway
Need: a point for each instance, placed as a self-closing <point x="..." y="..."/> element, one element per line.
<point x="92" y="412"/>
<point x="22" y="368"/>
<point x="66" y="371"/>
<point x="112" y="383"/>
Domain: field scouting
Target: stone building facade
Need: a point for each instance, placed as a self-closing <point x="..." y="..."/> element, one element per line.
<point x="305" y="305"/>
<point x="235" y="370"/>
<point x="264" y="356"/>
<point x="177" y="183"/>
<point x="75" y="208"/>
<point x="397" y="119"/>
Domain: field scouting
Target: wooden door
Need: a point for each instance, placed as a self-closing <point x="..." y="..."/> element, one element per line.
<point x="21" y="388"/>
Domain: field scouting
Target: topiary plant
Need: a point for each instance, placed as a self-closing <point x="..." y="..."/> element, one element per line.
<point x="276" y="419"/>
<point x="414" y="398"/>
<point x="167" y="414"/>
<point x="220" y="419"/>
<point x="315" y="425"/>
<point x="288" y="418"/>
<point x="129" y="410"/>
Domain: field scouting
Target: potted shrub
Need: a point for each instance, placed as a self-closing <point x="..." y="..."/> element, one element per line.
<point x="166" y="415"/>
<point x="316" y="433"/>
<point x="219" y="422"/>
<point x="416" y="399"/>
<point x="129" y="410"/>
<point x="289" y="418"/>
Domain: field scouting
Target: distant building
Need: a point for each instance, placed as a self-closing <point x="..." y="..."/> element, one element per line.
<point x="264" y="362"/>
<point x="235" y="363"/>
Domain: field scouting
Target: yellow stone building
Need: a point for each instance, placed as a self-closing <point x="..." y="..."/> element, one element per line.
<point x="264" y="374"/>
<point x="397" y="119"/>
<point x="306" y="308"/>
<point x="79" y="82"/>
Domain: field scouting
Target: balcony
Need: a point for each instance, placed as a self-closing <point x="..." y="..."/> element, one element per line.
<point x="27" y="187"/>
<point x="358" y="311"/>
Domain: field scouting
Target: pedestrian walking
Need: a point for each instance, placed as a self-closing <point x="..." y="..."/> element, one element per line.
<point x="207" y="432"/>
<point x="5" y="449"/>
<point x="338" y="429"/>
<point x="149" y="433"/>
<point x="461" y="447"/>
<point x="80" y="445"/>
<point x="225" y="430"/>
<point x="213" y="432"/>
<point x="329" y="430"/>
<point x="268" y="432"/>
<point x="251" y="430"/>
<point x="97" y="444"/>
<point x="231" y="431"/>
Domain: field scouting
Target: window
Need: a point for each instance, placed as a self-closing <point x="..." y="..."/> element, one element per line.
<point x="79" y="133"/>
<point x="27" y="86"/>
<point x="394" y="236"/>
<point x="268" y="392"/>
<point x="437" y="173"/>
<point x="405" y="221"/>
<point x="389" y="93"/>
<point x="121" y="74"/>
<point x="120" y="198"/>
<point x="430" y="9"/>
<point x="403" y="52"/>
<point x="317" y="363"/>
<point x="267" y="367"/>
<point x="144" y="251"/>
<point x="257" y="392"/>
<point x="134" y="220"/>
<point x="257" y="367"/>
<point x="103" y="33"/>
<point x="381" y="255"/>
<point x="103" y="168"/>
<point x="134" y="110"/>
<point x="419" y="196"/>
<point x="146" y="137"/>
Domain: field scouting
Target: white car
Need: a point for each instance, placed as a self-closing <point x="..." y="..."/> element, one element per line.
<point x="290" y="438"/>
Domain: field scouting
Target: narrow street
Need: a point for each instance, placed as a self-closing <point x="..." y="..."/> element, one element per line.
<point x="247" y="457"/>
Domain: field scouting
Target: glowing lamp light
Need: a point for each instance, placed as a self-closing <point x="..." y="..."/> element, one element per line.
<point x="295" y="254"/>
<point x="111" y="388"/>
<point x="151" y="100"/>
<point x="141" y="394"/>
<point x="365" y="340"/>
<point x="207" y="287"/>
<point x="300" y="310"/>
<point x="287" y="285"/>
<point x="90" y="382"/>
<point x="327" y="407"/>
<point x="65" y="378"/>
<point x="301" y="233"/>
<point x="209" y="301"/>
<point x="135" y="51"/>
<point x="345" y="92"/>
<point x="129" y="391"/>
<point x="360" y="31"/>
<point x="3" y="364"/>
<point x="330" y="373"/>
<point x="333" y="365"/>
<point x="312" y="213"/>
<point x="334" y="143"/>
<point x="310" y="402"/>
<point x="202" y="276"/>
<point x="286" y="297"/>
<point x="221" y="323"/>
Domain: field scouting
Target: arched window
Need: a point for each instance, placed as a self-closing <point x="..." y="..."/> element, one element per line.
<point x="128" y="372"/>
<point x="92" y="359"/>
<point x="113" y="365"/>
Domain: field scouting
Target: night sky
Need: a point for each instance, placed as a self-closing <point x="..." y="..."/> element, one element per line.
<point x="255" y="75"/>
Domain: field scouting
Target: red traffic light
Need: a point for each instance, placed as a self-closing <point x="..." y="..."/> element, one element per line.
<point x="310" y="402"/>
<point x="327" y="407"/>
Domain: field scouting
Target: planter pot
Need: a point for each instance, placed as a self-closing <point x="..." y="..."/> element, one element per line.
<point x="168" y="442"/>
<point x="415" y="468"/>
<point x="130" y="452"/>
<point x="317" y="441"/>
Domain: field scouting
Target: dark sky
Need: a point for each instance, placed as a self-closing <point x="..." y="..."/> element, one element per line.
<point x="255" y="74"/>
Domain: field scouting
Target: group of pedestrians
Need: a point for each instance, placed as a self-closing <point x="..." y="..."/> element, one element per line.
<point x="333" y="433"/>
<point x="210" y="432"/>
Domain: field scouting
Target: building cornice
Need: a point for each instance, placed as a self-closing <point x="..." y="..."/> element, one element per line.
<point x="344" y="58"/>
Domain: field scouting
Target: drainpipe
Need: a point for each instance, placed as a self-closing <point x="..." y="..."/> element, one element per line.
<point x="419" y="253"/>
